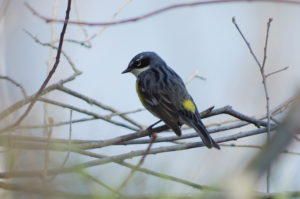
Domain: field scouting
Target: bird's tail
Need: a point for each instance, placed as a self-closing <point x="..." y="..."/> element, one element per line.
<point x="203" y="133"/>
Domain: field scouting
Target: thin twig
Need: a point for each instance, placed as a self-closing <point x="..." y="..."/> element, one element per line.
<point x="42" y="190"/>
<point x="72" y="64"/>
<point x="109" y="116"/>
<point x="277" y="71"/>
<point x="266" y="44"/>
<point x="119" y="10"/>
<point x="63" y="105"/>
<point x="194" y="75"/>
<point x="23" y="102"/>
<point x="69" y="145"/>
<point x="230" y="111"/>
<point x="247" y="43"/>
<point x="96" y="180"/>
<point x="125" y="182"/>
<point x="16" y="84"/>
<point x="69" y="140"/>
<point x="151" y="172"/>
<point x="257" y="147"/>
<point x="57" y="124"/>
<point x="49" y="133"/>
<point x="267" y="98"/>
<point x="99" y="104"/>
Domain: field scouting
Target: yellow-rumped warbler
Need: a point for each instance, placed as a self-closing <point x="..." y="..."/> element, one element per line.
<point x="164" y="94"/>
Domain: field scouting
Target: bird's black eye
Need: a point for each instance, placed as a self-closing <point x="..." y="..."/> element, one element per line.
<point x="142" y="62"/>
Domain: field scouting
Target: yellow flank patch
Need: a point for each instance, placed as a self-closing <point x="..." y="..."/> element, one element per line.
<point x="189" y="105"/>
<point x="137" y="91"/>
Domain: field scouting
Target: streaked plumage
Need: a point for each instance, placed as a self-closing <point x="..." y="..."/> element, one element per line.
<point x="164" y="94"/>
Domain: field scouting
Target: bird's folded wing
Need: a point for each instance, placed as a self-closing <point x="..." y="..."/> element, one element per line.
<point x="159" y="102"/>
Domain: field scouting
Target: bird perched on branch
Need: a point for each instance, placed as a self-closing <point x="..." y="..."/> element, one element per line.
<point x="164" y="94"/>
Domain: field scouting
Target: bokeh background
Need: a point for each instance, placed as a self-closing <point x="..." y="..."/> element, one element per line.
<point x="200" y="38"/>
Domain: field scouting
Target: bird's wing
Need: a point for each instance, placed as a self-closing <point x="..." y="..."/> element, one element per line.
<point x="159" y="102"/>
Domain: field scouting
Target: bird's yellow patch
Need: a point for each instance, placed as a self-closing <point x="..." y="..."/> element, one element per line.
<point x="138" y="92"/>
<point x="189" y="105"/>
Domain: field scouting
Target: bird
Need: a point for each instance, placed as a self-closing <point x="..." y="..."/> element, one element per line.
<point x="162" y="92"/>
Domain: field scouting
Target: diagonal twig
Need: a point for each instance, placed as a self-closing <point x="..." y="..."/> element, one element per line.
<point x="247" y="43"/>
<point x="277" y="71"/>
<point x="99" y="104"/>
<point x="133" y="170"/>
<point x="95" y="115"/>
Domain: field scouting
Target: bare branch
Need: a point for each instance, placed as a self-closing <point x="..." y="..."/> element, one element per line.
<point x="56" y="48"/>
<point x="95" y="115"/>
<point x="247" y="43"/>
<point x="230" y="111"/>
<point x="153" y="13"/>
<point x="109" y="116"/>
<point x="49" y="133"/>
<point x="151" y="172"/>
<point x="16" y="84"/>
<point x="99" y="104"/>
<point x="277" y="71"/>
<point x="264" y="78"/>
<point x="41" y="190"/>
<point x="88" y="176"/>
<point x="40" y="91"/>
<point x="23" y="102"/>
<point x="253" y="146"/>
<point x="262" y="71"/>
<point x="266" y="44"/>
<point x="139" y="164"/>
<point x="178" y="147"/>
<point x="194" y="75"/>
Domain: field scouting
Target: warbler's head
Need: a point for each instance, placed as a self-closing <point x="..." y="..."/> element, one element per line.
<point x="142" y="62"/>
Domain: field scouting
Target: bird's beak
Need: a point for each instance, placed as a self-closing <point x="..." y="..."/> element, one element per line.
<point x="126" y="70"/>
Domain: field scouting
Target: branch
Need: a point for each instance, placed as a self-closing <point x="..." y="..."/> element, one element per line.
<point x="277" y="71"/>
<point x="41" y="190"/>
<point x="99" y="104"/>
<point x="124" y="140"/>
<point x="16" y="84"/>
<point x="252" y="146"/>
<point x="230" y="111"/>
<point x="139" y="164"/>
<point x="277" y="110"/>
<point x="23" y="102"/>
<point x="266" y="44"/>
<point x="40" y="91"/>
<point x="153" y="13"/>
<point x="129" y="155"/>
<point x="109" y="116"/>
<point x="247" y="43"/>
<point x="88" y="176"/>
<point x="60" y="144"/>
<point x="151" y="172"/>
<point x="95" y="115"/>
<point x="55" y="48"/>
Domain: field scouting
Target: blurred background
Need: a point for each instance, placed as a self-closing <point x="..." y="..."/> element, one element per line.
<point x="201" y="38"/>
